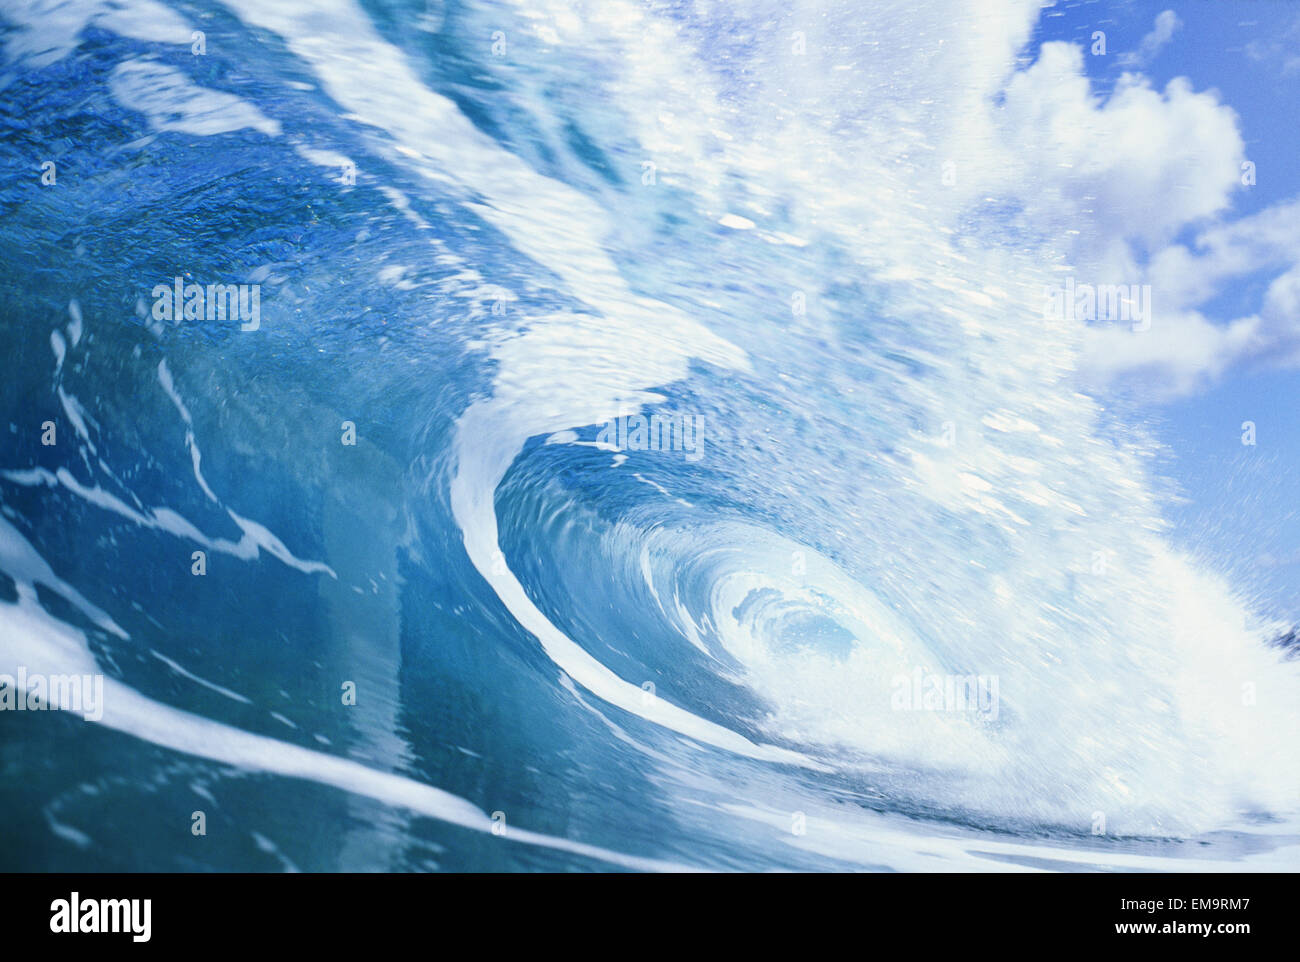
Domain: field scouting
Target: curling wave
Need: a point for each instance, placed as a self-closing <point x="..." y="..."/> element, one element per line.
<point x="635" y="463"/>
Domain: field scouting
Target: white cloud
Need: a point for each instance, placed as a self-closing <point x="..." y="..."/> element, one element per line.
<point x="1184" y="350"/>
<point x="1166" y="25"/>
<point x="1141" y="163"/>
<point x="1116" y="180"/>
<point x="1281" y="49"/>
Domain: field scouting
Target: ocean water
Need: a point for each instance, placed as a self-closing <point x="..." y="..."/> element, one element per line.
<point x="629" y="430"/>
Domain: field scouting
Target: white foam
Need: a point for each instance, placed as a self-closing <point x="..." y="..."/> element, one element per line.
<point x="171" y="101"/>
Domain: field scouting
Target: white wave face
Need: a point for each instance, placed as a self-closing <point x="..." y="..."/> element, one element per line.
<point x="1130" y="683"/>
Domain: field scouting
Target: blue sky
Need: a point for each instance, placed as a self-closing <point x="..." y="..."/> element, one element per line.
<point x="1241" y="511"/>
